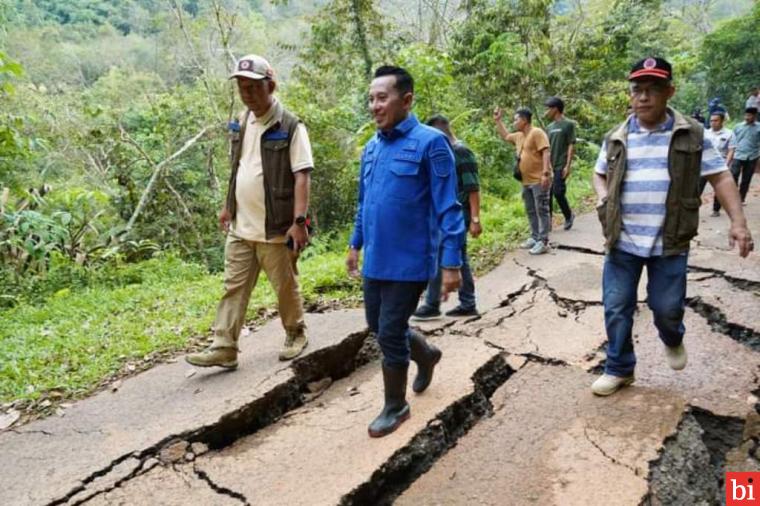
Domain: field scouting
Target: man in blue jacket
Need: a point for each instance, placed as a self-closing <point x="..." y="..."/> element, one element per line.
<point x="407" y="207"/>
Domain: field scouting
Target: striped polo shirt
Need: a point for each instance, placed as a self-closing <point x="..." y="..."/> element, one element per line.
<point x="646" y="182"/>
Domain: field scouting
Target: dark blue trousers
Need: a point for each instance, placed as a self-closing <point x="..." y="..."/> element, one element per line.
<point x="388" y="306"/>
<point x="466" y="291"/>
<point x="666" y="294"/>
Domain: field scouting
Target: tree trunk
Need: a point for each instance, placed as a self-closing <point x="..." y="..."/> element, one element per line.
<point x="361" y="36"/>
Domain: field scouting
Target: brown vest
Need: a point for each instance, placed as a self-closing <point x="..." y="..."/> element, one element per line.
<point x="682" y="204"/>
<point x="279" y="182"/>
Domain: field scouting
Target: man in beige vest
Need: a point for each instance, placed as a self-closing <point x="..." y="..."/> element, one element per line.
<point x="264" y="215"/>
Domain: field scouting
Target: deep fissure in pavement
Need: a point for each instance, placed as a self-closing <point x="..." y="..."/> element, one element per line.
<point x="410" y="462"/>
<point x="333" y="362"/>
<point x="689" y="470"/>
<point x="691" y="467"/>
<point x="719" y="323"/>
<point x="740" y="283"/>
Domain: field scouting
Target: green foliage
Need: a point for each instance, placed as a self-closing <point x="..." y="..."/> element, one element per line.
<point x="14" y="144"/>
<point x="110" y="89"/>
<point x="730" y="56"/>
<point x="79" y="336"/>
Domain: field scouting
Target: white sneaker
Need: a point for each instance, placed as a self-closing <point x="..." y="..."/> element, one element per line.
<point x="607" y="384"/>
<point x="528" y="244"/>
<point x="676" y="357"/>
<point x="539" y="248"/>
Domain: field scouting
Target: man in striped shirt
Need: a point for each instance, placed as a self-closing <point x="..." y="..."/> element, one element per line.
<point x="647" y="180"/>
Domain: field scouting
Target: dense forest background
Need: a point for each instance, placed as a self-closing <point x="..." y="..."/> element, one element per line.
<point x="113" y="142"/>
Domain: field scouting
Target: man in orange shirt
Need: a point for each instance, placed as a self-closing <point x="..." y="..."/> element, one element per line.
<point x="532" y="146"/>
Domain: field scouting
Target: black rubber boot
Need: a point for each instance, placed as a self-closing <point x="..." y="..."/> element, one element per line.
<point x="396" y="410"/>
<point x="426" y="356"/>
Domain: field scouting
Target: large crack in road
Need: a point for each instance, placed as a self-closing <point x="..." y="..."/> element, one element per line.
<point x="688" y="470"/>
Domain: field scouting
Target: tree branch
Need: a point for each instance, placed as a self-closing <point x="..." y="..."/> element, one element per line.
<point x="189" y="216"/>
<point x="156" y="168"/>
<point x="203" y="71"/>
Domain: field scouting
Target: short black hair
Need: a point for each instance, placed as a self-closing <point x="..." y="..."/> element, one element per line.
<point x="555" y="102"/>
<point x="404" y="80"/>
<point x="719" y="112"/>
<point x="437" y="119"/>
<point x="525" y="114"/>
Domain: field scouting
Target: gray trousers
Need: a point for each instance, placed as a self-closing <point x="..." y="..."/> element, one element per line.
<point x="536" y="201"/>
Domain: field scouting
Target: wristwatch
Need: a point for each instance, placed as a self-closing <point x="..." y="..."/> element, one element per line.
<point x="301" y="220"/>
<point x="476" y="219"/>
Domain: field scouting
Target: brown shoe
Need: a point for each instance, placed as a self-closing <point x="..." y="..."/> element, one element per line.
<point x="220" y="357"/>
<point x="294" y="345"/>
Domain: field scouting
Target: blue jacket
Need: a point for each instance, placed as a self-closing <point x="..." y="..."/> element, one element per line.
<point x="408" y="204"/>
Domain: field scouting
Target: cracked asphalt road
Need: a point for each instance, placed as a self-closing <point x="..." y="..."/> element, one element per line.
<point x="509" y="418"/>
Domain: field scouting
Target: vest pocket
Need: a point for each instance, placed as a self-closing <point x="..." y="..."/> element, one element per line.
<point x="282" y="203"/>
<point x="688" y="221"/>
<point x="275" y="145"/>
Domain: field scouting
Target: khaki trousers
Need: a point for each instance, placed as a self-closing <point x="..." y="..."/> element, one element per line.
<point x="243" y="260"/>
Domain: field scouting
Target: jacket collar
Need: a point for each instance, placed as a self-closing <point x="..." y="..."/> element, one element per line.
<point x="401" y="129"/>
<point x="679" y="122"/>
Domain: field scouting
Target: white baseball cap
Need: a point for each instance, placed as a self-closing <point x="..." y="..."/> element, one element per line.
<point x="253" y="66"/>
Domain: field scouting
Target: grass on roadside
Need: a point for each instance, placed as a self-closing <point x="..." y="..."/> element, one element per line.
<point x="77" y="338"/>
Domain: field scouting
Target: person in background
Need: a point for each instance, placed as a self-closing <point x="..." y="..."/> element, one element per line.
<point x="561" y="133"/>
<point x="744" y="151"/>
<point x="720" y="137"/>
<point x="468" y="194"/>
<point x="532" y="146"/>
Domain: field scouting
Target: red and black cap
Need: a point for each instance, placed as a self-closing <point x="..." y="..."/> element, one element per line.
<point x="658" y="68"/>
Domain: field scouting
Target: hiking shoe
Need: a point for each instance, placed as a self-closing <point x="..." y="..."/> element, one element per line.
<point x="425" y="312"/>
<point x="528" y="244"/>
<point x="676" y="356"/>
<point x="569" y="221"/>
<point x="294" y="345"/>
<point x="607" y="384"/>
<point x="539" y="248"/>
<point x="715" y="214"/>
<point x="210" y="357"/>
<point x="462" y="311"/>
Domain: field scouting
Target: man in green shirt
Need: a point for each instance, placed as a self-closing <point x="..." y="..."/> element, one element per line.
<point x="561" y="133"/>
<point x="468" y="194"/>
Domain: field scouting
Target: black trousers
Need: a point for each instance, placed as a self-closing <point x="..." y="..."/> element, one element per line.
<point x="388" y="306"/>
<point x="744" y="170"/>
<point x="559" y="190"/>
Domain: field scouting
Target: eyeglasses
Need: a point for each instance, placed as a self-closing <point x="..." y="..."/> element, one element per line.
<point x="655" y="90"/>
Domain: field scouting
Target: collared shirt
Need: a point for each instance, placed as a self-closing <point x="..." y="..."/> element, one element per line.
<point x="746" y="141"/>
<point x="408" y="204"/>
<point x="250" y="218"/>
<point x="646" y="182"/>
<point x="720" y="139"/>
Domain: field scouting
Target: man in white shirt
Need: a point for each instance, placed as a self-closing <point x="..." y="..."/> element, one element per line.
<point x="264" y="214"/>
<point x="720" y="137"/>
